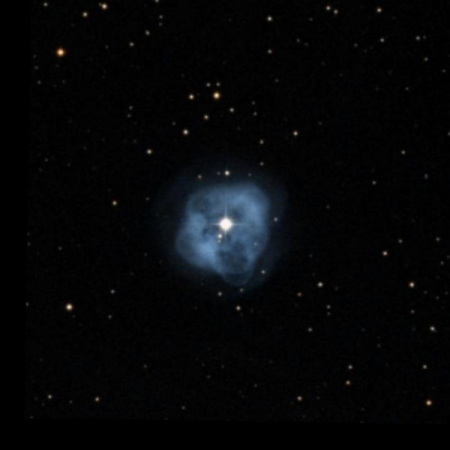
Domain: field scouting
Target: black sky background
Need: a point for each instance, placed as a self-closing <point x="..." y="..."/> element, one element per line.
<point x="365" y="173"/>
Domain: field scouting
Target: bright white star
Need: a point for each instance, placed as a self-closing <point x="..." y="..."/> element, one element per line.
<point x="226" y="224"/>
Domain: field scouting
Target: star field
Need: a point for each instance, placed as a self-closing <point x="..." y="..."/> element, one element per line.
<point x="134" y="106"/>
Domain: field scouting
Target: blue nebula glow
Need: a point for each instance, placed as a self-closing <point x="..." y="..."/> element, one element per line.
<point x="231" y="251"/>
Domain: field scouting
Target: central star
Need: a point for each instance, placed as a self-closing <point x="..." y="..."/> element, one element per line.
<point x="226" y="224"/>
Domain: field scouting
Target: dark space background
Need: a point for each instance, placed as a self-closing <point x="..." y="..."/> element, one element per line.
<point x="344" y="105"/>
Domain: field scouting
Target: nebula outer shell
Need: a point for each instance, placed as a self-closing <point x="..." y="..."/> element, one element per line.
<point x="235" y="255"/>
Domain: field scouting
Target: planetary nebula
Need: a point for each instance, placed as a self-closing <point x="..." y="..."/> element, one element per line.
<point x="225" y="229"/>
